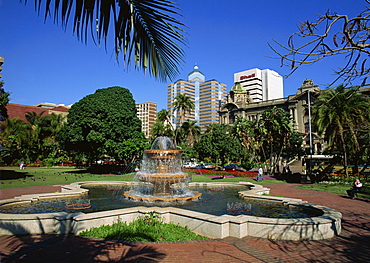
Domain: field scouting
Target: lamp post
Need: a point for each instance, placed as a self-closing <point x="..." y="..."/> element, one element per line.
<point x="309" y="128"/>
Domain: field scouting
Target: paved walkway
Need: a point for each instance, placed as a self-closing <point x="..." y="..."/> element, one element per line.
<point x="352" y="245"/>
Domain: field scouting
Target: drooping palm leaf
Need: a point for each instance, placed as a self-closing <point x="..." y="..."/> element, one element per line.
<point x="145" y="31"/>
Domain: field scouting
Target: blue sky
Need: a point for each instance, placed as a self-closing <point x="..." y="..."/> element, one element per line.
<point x="43" y="63"/>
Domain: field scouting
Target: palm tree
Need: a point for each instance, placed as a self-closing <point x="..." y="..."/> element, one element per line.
<point x="339" y="114"/>
<point x="250" y="135"/>
<point x="145" y="32"/>
<point x="190" y="131"/>
<point x="183" y="103"/>
<point x="160" y="129"/>
<point x="16" y="134"/>
<point x="53" y="123"/>
<point x="165" y="117"/>
<point x="276" y="123"/>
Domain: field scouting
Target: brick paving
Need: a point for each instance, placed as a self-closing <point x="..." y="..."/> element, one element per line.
<point x="352" y="245"/>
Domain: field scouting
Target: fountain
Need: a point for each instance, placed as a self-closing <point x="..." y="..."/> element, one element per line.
<point x="160" y="178"/>
<point x="162" y="185"/>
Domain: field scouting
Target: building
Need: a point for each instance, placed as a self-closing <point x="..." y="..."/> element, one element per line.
<point x="1" y="66"/>
<point x="18" y="110"/>
<point x="207" y="96"/>
<point x="240" y="103"/>
<point x="147" y="113"/>
<point x="262" y="85"/>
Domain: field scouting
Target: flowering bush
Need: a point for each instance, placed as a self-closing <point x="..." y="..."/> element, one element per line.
<point x="221" y="173"/>
<point x="342" y="178"/>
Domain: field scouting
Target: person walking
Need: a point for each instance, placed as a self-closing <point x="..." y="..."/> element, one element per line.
<point x="21" y="164"/>
<point x="260" y="173"/>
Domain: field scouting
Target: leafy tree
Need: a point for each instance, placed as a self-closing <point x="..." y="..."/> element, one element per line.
<point x="293" y="147"/>
<point x="15" y="139"/>
<point x="218" y="144"/>
<point x="251" y="135"/>
<point x="276" y="123"/>
<point x="331" y="34"/>
<point x="97" y="127"/>
<point x="145" y="31"/>
<point x="189" y="132"/>
<point x="4" y="99"/>
<point x="339" y="115"/>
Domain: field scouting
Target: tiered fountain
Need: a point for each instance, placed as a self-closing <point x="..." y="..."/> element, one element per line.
<point x="160" y="178"/>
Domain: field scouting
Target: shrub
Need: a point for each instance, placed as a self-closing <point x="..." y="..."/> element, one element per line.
<point x="150" y="227"/>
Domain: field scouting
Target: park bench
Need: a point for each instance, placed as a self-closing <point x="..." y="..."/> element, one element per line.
<point x="364" y="190"/>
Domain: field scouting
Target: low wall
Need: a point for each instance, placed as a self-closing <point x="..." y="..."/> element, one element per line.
<point x="314" y="228"/>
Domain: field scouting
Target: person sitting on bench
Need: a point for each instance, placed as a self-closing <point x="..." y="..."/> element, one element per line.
<point x="357" y="186"/>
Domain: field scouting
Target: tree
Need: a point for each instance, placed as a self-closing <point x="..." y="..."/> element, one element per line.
<point x="331" y="34"/>
<point x="339" y="115"/>
<point x="165" y="117"/>
<point x="189" y="132"/>
<point x="218" y="144"/>
<point x="15" y="139"/>
<point x="160" y="129"/>
<point x="276" y="123"/>
<point x="4" y="99"/>
<point x="183" y="104"/>
<point x="251" y="136"/>
<point x="145" y="31"/>
<point x="97" y="127"/>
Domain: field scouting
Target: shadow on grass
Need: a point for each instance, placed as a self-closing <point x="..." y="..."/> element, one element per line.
<point x="11" y="174"/>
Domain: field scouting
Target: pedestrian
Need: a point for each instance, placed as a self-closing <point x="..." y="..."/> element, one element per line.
<point x="285" y="167"/>
<point x="356" y="187"/>
<point x="21" y="165"/>
<point x="260" y="173"/>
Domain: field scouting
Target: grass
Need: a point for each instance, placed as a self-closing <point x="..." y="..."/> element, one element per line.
<point x="147" y="228"/>
<point x="13" y="177"/>
<point x="331" y="188"/>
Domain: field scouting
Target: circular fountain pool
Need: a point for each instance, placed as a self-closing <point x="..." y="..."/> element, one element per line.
<point x="215" y="200"/>
<point x="218" y="213"/>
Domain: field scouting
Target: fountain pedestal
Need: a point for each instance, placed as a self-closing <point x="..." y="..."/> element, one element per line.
<point x="160" y="174"/>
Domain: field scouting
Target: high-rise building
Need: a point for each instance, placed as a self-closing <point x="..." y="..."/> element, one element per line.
<point x="262" y="85"/>
<point x="147" y="113"/>
<point x="1" y="66"/>
<point x="206" y="95"/>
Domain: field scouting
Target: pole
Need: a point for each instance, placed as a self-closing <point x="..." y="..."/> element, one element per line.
<point x="309" y="128"/>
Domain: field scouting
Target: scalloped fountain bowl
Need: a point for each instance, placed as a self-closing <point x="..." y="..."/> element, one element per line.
<point x="161" y="178"/>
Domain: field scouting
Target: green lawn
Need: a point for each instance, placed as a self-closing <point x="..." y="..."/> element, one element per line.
<point x="12" y="177"/>
<point x="331" y="188"/>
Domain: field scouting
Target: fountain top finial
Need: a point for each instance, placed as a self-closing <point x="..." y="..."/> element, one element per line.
<point x="163" y="143"/>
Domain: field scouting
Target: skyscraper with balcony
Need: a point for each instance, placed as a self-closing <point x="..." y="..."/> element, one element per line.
<point x="207" y="96"/>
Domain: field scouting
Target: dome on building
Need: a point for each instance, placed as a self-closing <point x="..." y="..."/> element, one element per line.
<point x="238" y="88"/>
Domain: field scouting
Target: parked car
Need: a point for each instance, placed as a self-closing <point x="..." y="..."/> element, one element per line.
<point x="209" y="166"/>
<point x="234" y="167"/>
<point x="200" y="166"/>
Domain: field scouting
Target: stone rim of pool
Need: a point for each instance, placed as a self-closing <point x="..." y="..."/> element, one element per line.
<point x="320" y="227"/>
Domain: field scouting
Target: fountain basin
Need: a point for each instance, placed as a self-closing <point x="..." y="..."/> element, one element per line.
<point x="320" y="227"/>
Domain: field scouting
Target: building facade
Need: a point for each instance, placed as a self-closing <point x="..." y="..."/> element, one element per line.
<point x="207" y="96"/>
<point x="1" y="66"/>
<point x="240" y="103"/>
<point x="262" y="85"/>
<point x="19" y="110"/>
<point x="147" y="113"/>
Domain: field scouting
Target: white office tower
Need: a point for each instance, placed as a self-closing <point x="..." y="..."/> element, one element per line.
<point x="262" y="85"/>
